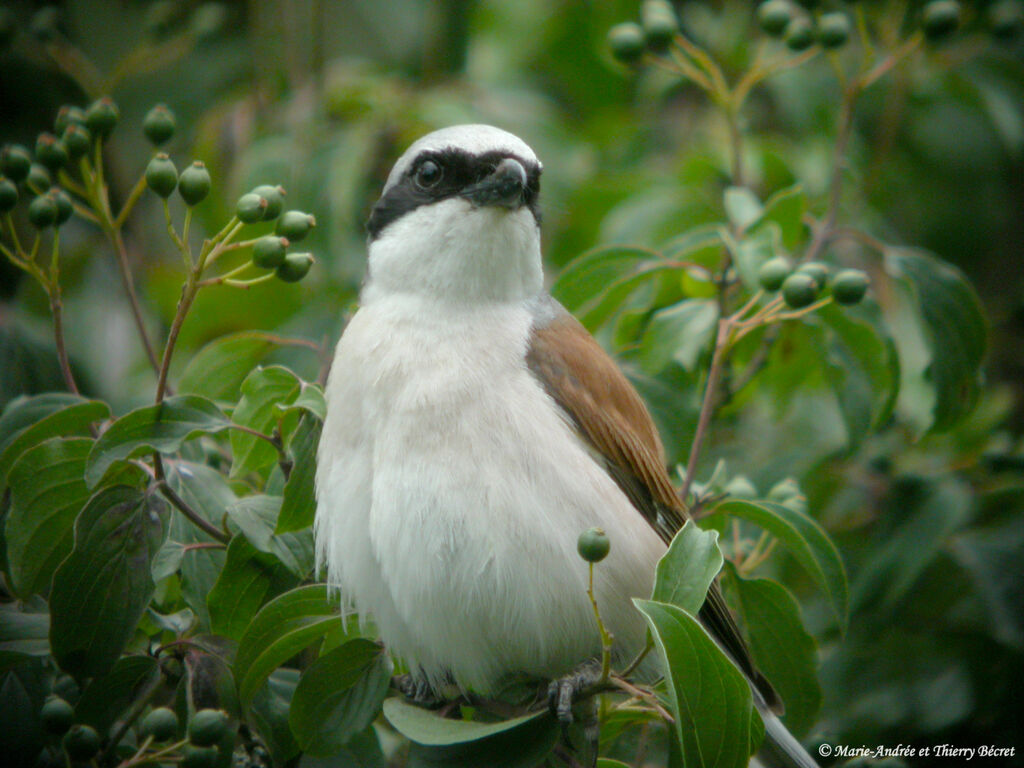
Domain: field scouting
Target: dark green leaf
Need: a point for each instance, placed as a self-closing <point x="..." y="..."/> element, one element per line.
<point x="106" y="698"/>
<point x="162" y="428"/>
<point x="588" y="276"/>
<point x="339" y="696"/>
<point x="363" y="751"/>
<point x="954" y="324"/>
<point x="22" y="693"/>
<point x="711" y="700"/>
<point x="310" y="399"/>
<point x="687" y="569"/>
<point x="299" y="505"/>
<point x="269" y="711"/>
<point x="262" y="392"/>
<point x="116" y="535"/>
<point x="783" y="650"/>
<point x="281" y="629"/>
<point x="22" y="636"/>
<point x="246" y="580"/>
<point x="806" y="541"/>
<point x="681" y="332"/>
<point x="218" y="369"/>
<point x="520" y="742"/>
<point x="257" y="516"/>
<point x="47" y="492"/>
<point x="28" y="421"/>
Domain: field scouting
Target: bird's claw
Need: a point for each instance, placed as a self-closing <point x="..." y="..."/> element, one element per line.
<point x="417" y="690"/>
<point x="564" y="693"/>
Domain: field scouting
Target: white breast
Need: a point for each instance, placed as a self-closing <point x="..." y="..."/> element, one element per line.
<point x="451" y="493"/>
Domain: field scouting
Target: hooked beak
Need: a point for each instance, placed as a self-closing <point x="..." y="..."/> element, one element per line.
<point x="504" y="186"/>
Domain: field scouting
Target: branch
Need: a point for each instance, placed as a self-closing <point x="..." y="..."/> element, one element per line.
<point x="182" y="506"/>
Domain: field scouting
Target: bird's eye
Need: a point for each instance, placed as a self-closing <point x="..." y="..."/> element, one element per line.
<point x="428" y="174"/>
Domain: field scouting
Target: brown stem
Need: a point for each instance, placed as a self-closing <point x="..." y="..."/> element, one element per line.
<point x="188" y="295"/>
<point x="707" y="405"/>
<point x="116" y="238"/>
<point x="182" y="506"/>
<point x="57" y="311"/>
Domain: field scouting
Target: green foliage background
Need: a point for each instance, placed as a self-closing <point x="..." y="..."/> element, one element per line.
<point x="908" y="454"/>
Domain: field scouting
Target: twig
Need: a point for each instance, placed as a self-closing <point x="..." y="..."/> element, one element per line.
<point x="182" y="506"/>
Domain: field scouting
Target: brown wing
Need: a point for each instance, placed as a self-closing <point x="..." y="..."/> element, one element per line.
<point x="606" y="409"/>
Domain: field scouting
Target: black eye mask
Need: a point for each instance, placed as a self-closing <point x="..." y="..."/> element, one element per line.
<point x="459" y="170"/>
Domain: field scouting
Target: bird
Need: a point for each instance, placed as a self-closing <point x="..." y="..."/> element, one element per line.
<point x="474" y="428"/>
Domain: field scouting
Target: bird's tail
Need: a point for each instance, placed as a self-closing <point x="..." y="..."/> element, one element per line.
<point x="780" y="749"/>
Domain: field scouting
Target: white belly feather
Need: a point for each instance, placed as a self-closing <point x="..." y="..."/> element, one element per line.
<point x="451" y="494"/>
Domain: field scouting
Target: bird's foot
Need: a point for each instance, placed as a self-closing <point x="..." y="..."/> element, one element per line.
<point x="417" y="690"/>
<point x="575" y="691"/>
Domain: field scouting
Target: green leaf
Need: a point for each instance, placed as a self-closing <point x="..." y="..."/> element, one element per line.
<point x="262" y="392"/>
<point x="206" y="491"/>
<point x="687" y="569"/>
<point x="22" y="636"/>
<point x="437" y="741"/>
<point x="742" y="207"/>
<point x="28" y="421"/>
<point x="102" y="588"/>
<point x="47" y="492"/>
<point x="861" y="365"/>
<point x="954" y="324"/>
<point x="256" y="516"/>
<point x="162" y="428"/>
<point x="787" y="208"/>
<point x="299" y="505"/>
<point x="106" y="698"/>
<point x="806" y="541"/>
<point x="681" y="332"/>
<point x="586" y="277"/>
<point x="281" y="629"/>
<point x="218" y="369"/>
<point x="710" y="699"/>
<point x="269" y="711"/>
<point x="245" y="581"/>
<point x="310" y="399"/>
<point x="339" y="695"/>
<point x="783" y="650"/>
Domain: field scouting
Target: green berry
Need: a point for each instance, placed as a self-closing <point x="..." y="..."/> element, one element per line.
<point x="64" y="206"/>
<point x="56" y="716"/>
<point x="833" y="29"/>
<point x="783" y="490"/>
<point x="799" y="33"/>
<point x="940" y="18"/>
<point x="250" y="208"/>
<point x="194" y="183"/>
<point x="161" y="175"/>
<point x="275" y="200"/>
<point x="47" y="23"/>
<point x="294" y="267"/>
<point x="81" y="742"/>
<point x="659" y="23"/>
<point x="849" y="286"/>
<point x="198" y="757"/>
<point x="8" y="195"/>
<point x="799" y="290"/>
<point x="159" y="124"/>
<point x="51" y="152"/>
<point x="269" y="252"/>
<point x="102" y="116"/>
<point x="295" y="225"/>
<point x="38" y="178"/>
<point x="15" y="162"/>
<point x="160" y="723"/>
<point x="207" y="727"/>
<point x="1006" y="18"/>
<point x="76" y="140"/>
<point x="593" y="545"/>
<point x="773" y="272"/>
<point x="42" y="211"/>
<point x="627" y="42"/>
<point x="815" y="269"/>
<point x="774" y="16"/>
<point x="68" y="115"/>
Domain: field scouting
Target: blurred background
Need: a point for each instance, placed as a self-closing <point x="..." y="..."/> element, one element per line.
<point x="322" y="96"/>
